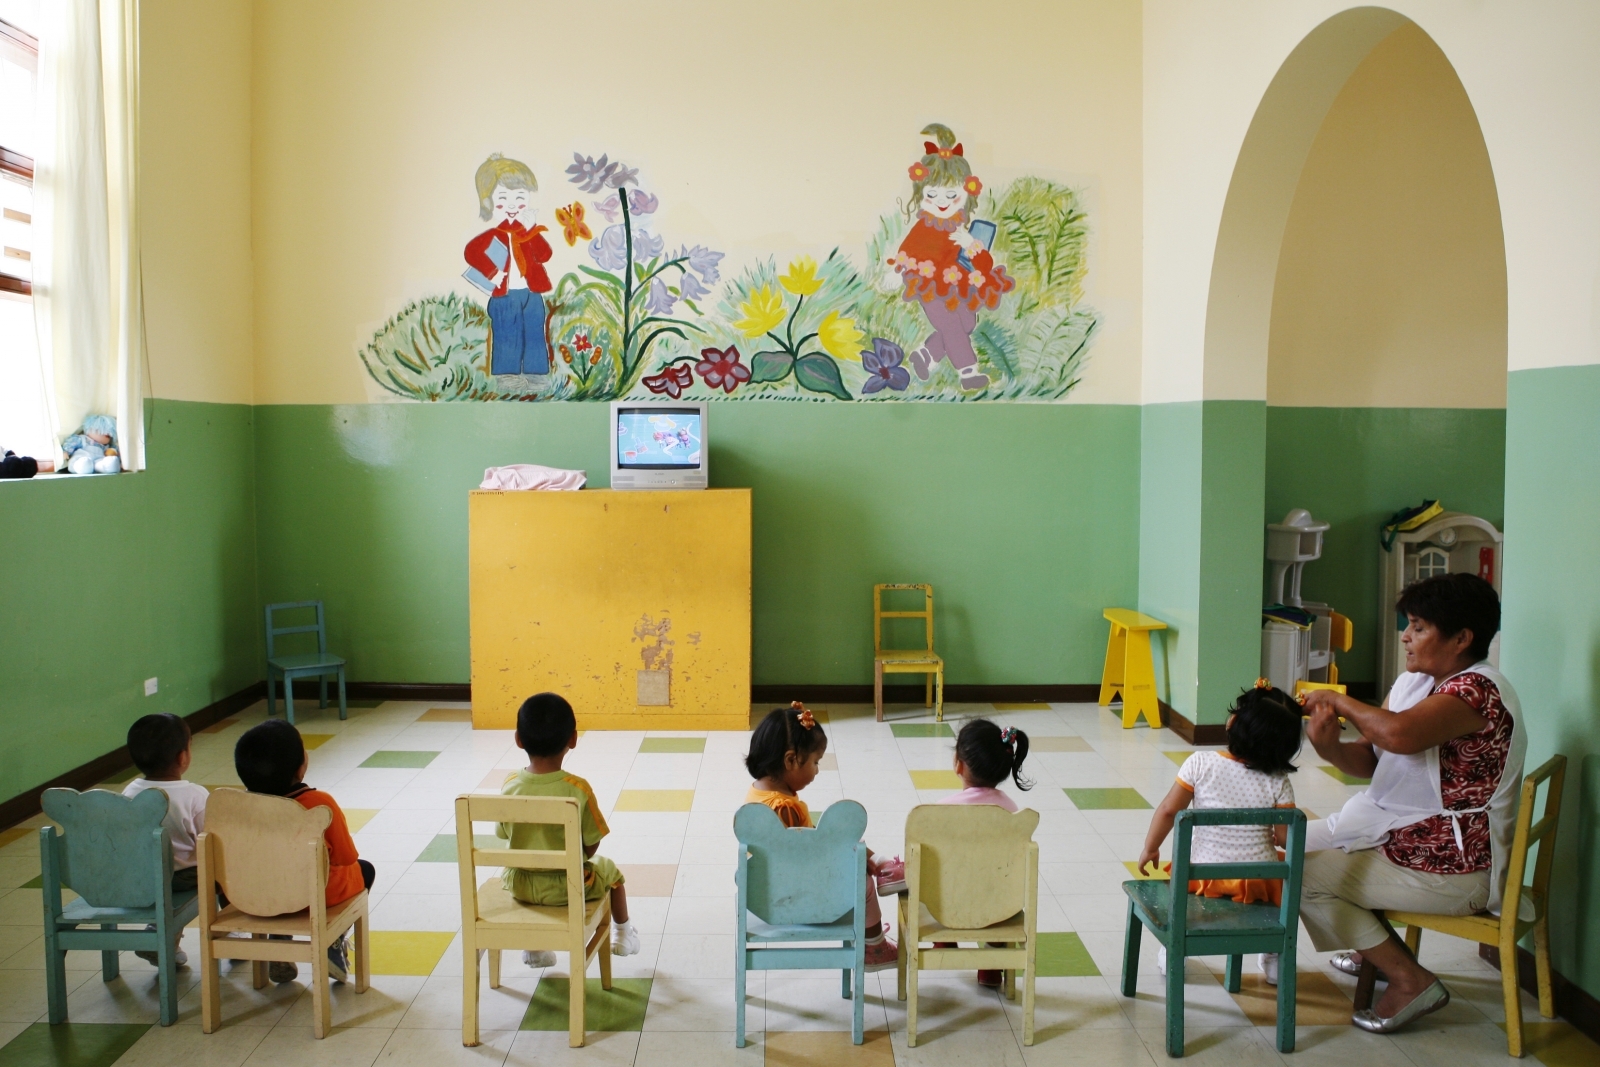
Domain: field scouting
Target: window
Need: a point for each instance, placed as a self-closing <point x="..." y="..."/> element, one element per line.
<point x="1432" y="562"/>
<point x="23" y="423"/>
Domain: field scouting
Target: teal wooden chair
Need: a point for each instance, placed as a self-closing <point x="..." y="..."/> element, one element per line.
<point x="288" y="667"/>
<point x="801" y="885"/>
<point x="1190" y="925"/>
<point x="117" y="857"/>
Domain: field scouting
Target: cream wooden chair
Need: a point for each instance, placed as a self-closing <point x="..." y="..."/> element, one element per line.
<point x="271" y="860"/>
<point x="493" y="920"/>
<point x="972" y="874"/>
<point x="923" y="661"/>
<point x="1506" y="929"/>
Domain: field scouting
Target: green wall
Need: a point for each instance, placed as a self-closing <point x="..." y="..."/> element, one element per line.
<point x="1355" y="467"/>
<point x="111" y="580"/>
<point x="1551" y="647"/>
<point x="1023" y="517"/>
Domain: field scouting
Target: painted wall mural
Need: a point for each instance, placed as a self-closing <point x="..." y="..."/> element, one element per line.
<point x="964" y="293"/>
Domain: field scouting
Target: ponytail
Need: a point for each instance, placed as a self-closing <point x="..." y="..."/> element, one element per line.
<point x="993" y="754"/>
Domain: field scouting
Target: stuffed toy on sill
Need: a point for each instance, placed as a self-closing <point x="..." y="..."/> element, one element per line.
<point x="93" y="449"/>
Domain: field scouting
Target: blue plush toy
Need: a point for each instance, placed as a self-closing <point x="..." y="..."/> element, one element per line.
<point x="93" y="449"/>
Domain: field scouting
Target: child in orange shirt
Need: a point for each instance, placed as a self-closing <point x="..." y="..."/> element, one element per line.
<point x="271" y="758"/>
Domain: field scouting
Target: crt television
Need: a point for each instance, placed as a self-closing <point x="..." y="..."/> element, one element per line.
<point x="658" y="445"/>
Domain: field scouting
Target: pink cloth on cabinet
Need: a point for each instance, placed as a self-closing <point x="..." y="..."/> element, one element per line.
<point x="516" y="476"/>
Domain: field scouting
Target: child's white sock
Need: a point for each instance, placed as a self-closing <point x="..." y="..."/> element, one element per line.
<point x="624" y="939"/>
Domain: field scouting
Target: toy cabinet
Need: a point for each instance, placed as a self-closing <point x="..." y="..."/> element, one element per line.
<point x="1450" y="543"/>
<point x="1299" y="638"/>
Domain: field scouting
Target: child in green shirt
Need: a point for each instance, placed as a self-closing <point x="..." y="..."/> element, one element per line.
<point x="547" y="730"/>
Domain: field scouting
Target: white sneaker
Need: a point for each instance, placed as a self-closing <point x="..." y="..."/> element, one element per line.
<point x="542" y="958"/>
<point x="1161" y="959"/>
<point x="180" y="958"/>
<point x="1268" y="962"/>
<point x="624" y="940"/>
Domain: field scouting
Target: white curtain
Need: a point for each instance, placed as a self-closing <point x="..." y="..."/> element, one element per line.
<point x="87" y="292"/>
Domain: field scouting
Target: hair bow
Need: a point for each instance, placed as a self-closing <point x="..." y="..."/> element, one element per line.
<point x="806" y="719"/>
<point x="944" y="153"/>
<point x="1008" y="735"/>
<point x="1263" y="683"/>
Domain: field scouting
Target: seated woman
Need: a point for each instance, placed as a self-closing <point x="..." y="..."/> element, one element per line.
<point x="1433" y="831"/>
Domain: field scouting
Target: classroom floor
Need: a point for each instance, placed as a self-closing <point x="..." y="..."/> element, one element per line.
<point x="396" y="768"/>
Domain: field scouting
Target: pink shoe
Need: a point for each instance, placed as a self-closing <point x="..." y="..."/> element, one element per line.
<point x="891" y="877"/>
<point x="882" y="956"/>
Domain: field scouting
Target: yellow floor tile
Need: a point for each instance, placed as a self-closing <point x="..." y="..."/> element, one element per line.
<point x="16" y="833"/>
<point x="825" y="1048"/>
<point x="1558" y="1044"/>
<point x="315" y="740"/>
<point x="1058" y="744"/>
<point x="356" y="818"/>
<point x="936" y="780"/>
<point x="655" y="800"/>
<point x="1133" y="869"/>
<point x="414" y="952"/>
<point x="1317" y="1001"/>
<point x="446" y="715"/>
<point x="649" y="879"/>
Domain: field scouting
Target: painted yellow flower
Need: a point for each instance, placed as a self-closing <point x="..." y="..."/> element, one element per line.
<point x="802" y="278"/>
<point x="840" y="337"/>
<point x="762" y="312"/>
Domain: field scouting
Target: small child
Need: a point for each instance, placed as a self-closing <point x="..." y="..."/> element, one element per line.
<point x="547" y="730"/>
<point x="271" y="758"/>
<point x="785" y="752"/>
<point x="1263" y="739"/>
<point x="159" y="746"/>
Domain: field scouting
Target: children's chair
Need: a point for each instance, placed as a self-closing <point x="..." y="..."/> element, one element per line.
<point x="117" y="857"/>
<point x="270" y="858"/>
<point x="923" y="661"/>
<point x="801" y="885"/>
<point x="972" y="874"/>
<point x="1509" y="927"/>
<point x="493" y="920"/>
<point x="1193" y="925"/>
<point x="318" y="664"/>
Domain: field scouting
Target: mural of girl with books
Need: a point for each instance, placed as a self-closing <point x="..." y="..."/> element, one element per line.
<point x="507" y="262"/>
<point x="944" y="262"/>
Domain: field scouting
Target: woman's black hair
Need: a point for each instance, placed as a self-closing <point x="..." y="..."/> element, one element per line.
<point x="991" y="754"/>
<point x="1455" y="602"/>
<point x="1265" y="733"/>
<point x="780" y="733"/>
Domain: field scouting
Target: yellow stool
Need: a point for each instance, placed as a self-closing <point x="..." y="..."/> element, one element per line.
<point x="1129" y="667"/>
<point x="1302" y="687"/>
<point x="922" y="661"/>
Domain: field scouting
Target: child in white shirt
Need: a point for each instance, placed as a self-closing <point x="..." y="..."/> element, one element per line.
<point x="159" y="746"/>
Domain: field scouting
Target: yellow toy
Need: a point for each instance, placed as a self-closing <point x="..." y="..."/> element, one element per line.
<point x="922" y="661"/>
<point x="1129" y="668"/>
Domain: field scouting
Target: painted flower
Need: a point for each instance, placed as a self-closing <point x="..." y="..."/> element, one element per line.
<point x="566" y="353"/>
<point x="582" y="342"/>
<point x="952" y="275"/>
<point x="673" y="380"/>
<point x="802" y="278"/>
<point x="703" y="261"/>
<point x="689" y="287"/>
<point x="972" y="185"/>
<point x="903" y="261"/>
<point x="976" y="279"/>
<point x="839" y="337"/>
<point x="762" y="312"/>
<point x="609" y="207"/>
<point x="883" y="368"/>
<point x="917" y="171"/>
<point x="621" y="176"/>
<point x="722" y="369"/>
<point x="646" y="246"/>
<point x="610" y="250"/>
<point x="641" y="202"/>
<point x="573" y="228"/>
<point x="589" y="175"/>
<point x="925" y="268"/>
<point x="661" y="301"/>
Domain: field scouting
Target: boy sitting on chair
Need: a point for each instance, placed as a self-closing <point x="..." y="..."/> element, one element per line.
<point x="547" y="730"/>
<point x="159" y="746"/>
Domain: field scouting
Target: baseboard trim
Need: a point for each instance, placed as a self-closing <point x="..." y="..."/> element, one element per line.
<point x="1573" y="1002"/>
<point x="913" y="694"/>
<point x="446" y="692"/>
<point x="1192" y="732"/>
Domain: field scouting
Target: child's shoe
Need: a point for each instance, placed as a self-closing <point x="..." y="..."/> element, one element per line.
<point x="339" y="961"/>
<point x="624" y="939"/>
<point x="535" y="960"/>
<point x="282" y="971"/>
<point x="1161" y="959"/>
<point x="991" y="979"/>
<point x="180" y="958"/>
<point x="882" y="954"/>
<point x="891" y="877"/>
<point x="1269" y="966"/>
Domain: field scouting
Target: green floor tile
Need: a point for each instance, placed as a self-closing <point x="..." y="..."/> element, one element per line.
<point x="36" y="882"/>
<point x="401" y="759"/>
<point x="1338" y="775"/>
<point x="922" y="729"/>
<point x="673" y="744"/>
<point x="1063" y="956"/>
<point x="615" y="1011"/>
<point x="1105" y="799"/>
<point x="442" y="849"/>
<point x="71" y="1044"/>
<point x="1177" y="755"/>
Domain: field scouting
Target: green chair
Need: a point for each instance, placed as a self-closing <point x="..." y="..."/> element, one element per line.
<point x="1210" y="926"/>
<point x="117" y="857"/>
<point x="318" y="664"/>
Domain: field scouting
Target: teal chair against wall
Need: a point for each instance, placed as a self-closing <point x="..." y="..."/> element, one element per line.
<point x="289" y="666"/>
<point x="1191" y="925"/>
<point x="801" y="885"/>
<point x="115" y="854"/>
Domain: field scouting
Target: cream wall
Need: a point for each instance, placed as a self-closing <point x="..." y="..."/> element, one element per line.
<point x="1529" y="73"/>
<point x="764" y="128"/>
<point x="1391" y="282"/>
<point x="195" y="198"/>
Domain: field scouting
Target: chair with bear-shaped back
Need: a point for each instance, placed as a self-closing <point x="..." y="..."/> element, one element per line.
<point x="801" y="885"/>
<point x="114" y="852"/>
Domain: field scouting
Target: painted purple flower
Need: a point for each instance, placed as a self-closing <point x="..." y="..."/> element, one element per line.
<point x="883" y="368"/>
<point x="610" y="249"/>
<point x="689" y="287"/>
<point x="661" y="301"/>
<point x="592" y="176"/>
<point x="608" y="207"/>
<point x="646" y="246"/>
<point x="642" y="203"/>
<point x="702" y="260"/>
<point x="619" y="176"/>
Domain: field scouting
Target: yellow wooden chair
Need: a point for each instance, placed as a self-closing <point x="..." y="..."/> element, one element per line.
<point x="493" y="920"/>
<point x="922" y="661"/>
<point x="1505" y="930"/>
<point x="972" y="874"/>
<point x="270" y="858"/>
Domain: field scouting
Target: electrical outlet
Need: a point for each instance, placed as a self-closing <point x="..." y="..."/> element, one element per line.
<point x="149" y="687"/>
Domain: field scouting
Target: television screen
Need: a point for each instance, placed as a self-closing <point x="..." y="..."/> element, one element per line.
<point x="658" y="438"/>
